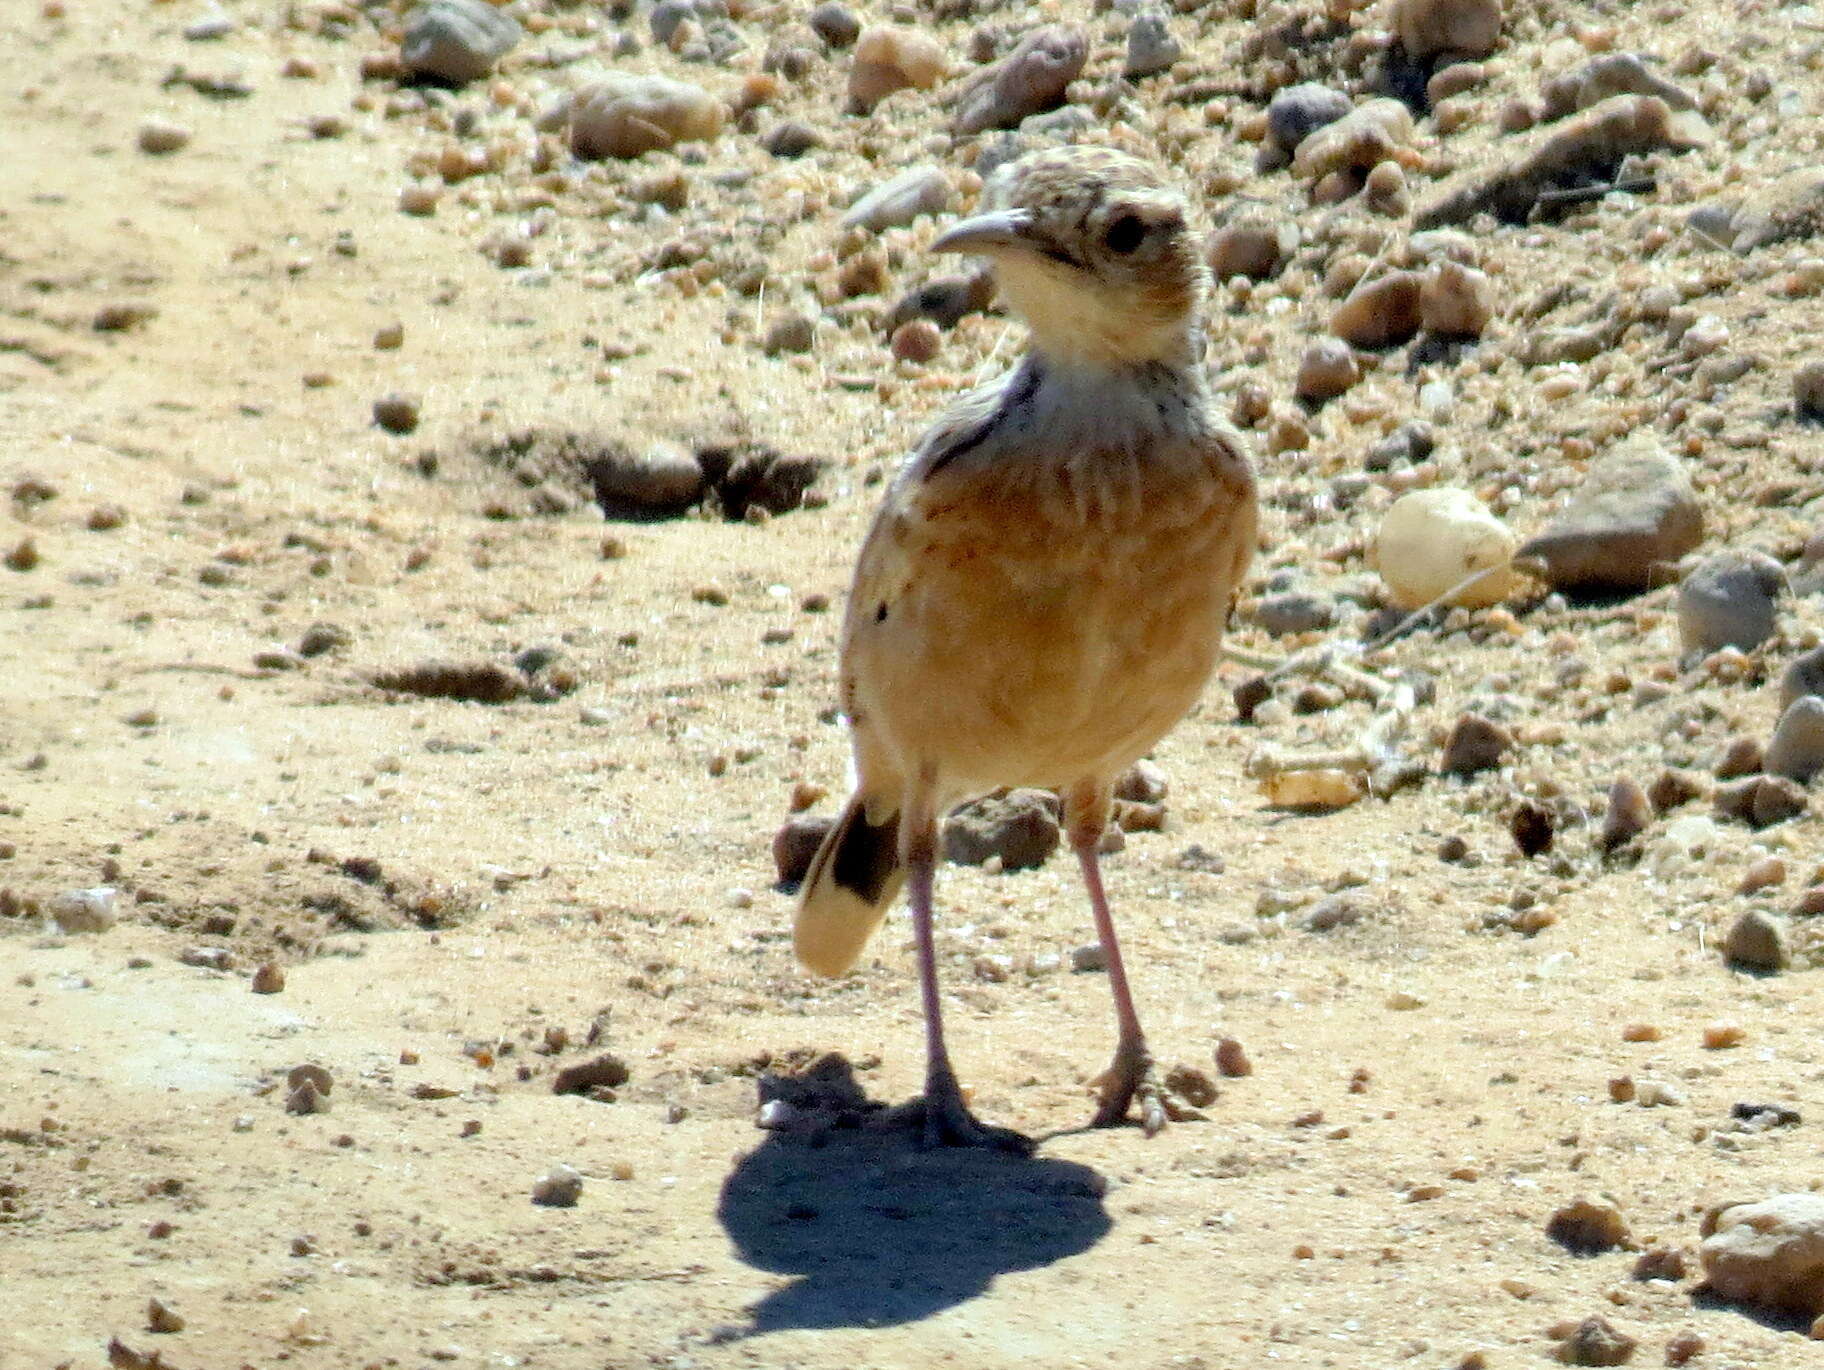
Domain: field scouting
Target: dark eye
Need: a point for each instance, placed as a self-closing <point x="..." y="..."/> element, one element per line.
<point x="1125" y="234"/>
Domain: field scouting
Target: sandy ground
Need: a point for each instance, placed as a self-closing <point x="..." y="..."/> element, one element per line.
<point x="443" y="884"/>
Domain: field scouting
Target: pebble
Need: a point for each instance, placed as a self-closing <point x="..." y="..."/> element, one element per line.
<point x="1318" y="790"/>
<point x="1254" y="244"/>
<point x="790" y="333"/>
<point x="1382" y="311"/>
<point x="1586" y="1227"/>
<point x="1769" y="1254"/>
<point x="1455" y="28"/>
<point x="1327" y="369"/>
<point x="795" y="845"/>
<point x="1151" y="47"/>
<point x="1456" y="301"/>
<point x="1796" y="750"/>
<point x="419" y="199"/>
<point x="1804" y="675"/>
<point x="1029" y="80"/>
<point x="666" y="17"/>
<point x="1603" y="76"/>
<point x="1296" y="112"/>
<point x="1371" y="133"/>
<point x="1594" y="1342"/>
<point x="917" y="341"/>
<point x="896" y="203"/>
<point x="624" y="116"/>
<point x="892" y="57"/>
<point x="1088" y="958"/>
<point x="1684" y="1347"/>
<point x="211" y="28"/>
<point x="1808" y="389"/>
<point x="1430" y="541"/>
<point x="791" y="139"/>
<point x="1762" y="801"/>
<point x="1659" y="1263"/>
<point x="82" y="911"/>
<point x="1294" y="611"/>
<point x="160" y="137"/>
<point x="606" y="1071"/>
<point x="1634" y="511"/>
<point x="121" y="315"/>
<point x="1232" y="1059"/>
<point x="559" y="1187"/>
<point x="268" y="979"/>
<point x="321" y="638"/>
<point x="1723" y="1034"/>
<point x="1757" y="941"/>
<point x="1728" y="600"/>
<point x="456" y="41"/>
<point x="1019" y="828"/>
<point x="660" y="480"/>
<point x="162" y="1318"/>
<point x="1533" y="828"/>
<point x="1626" y="817"/>
<point x="397" y="413"/>
<point x="1475" y="744"/>
<point x="835" y="24"/>
<point x="1741" y="756"/>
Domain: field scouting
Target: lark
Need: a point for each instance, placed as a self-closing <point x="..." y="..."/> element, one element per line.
<point x="1043" y="591"/>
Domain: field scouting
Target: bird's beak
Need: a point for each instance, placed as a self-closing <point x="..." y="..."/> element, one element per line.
<point x="987" y="233"/>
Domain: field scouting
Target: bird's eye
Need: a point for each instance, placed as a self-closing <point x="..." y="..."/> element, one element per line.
<point x="1125" y="234"/>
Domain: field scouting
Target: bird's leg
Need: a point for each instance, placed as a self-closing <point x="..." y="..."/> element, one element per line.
<point x="948" y="1121"/>
<point x="1130" y="1077"/>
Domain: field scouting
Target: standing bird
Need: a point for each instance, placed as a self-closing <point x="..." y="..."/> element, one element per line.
<point x="1043" y="590"/>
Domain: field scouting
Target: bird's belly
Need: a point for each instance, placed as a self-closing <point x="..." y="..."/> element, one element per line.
<point x="1043" y="654"/>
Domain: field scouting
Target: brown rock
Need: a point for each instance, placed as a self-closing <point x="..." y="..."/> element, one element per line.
<point x="1456" y="301"/>
<point x="1459" y="28"/>
<point x="1383" y="311"/>
<point x="1595" y="1342"/>
<point x="1626" y="817"/>
<point x="1636" y="510"/>
<point x="1029" y="80"/>
<point x="1475" y="744"/>
<point x="606" y="1071"/>
<point x="1327" y="369"/>
<point x="795" y="846"/>
<point x="1586" y="1227"/>
<point x="1770" y="1254"/>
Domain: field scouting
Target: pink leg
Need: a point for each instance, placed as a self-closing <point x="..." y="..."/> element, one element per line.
<point x="948" y="1121"/>
<point x="1130" y="1076"/>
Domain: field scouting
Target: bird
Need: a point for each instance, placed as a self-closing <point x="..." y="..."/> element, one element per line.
<point x="1042" y="593"/>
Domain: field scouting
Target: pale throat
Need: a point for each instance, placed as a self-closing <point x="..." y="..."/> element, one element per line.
<point x="1078" y="326"/>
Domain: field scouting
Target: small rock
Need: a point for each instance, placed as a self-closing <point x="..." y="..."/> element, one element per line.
<point x="1384" y="192"/>
<point x="397" y="413"/>
<point x="1636" y="510"/>
<point x="1432" y="541"/>
<point x="1808" y="389"/>
<point x="1232" y="1059"/>
<point x="795" y="846"/>
<point x="1627" y="816"/>
<point x="891" y="57"/>
<point x="268" y="979"/>
<point x="623" y="116"/>
<point x="1660" y="1263"/>
<point x="1020" y="828"/>
<point x="1293" y="612"/>
<point x="1758" y="942"/>
<point x="1741" y="756"/>
<point x="559" y="1187"/>
<point x="306" y="1098"/>
<point x="1723" y="1034"/>
<point x="1797" y="749"/>
<point x="162" y="1318"/>
<point x="1684" y="1347"/>
<point x="917" y="341"/>
<point x="1383" y="311"/>
<point x="480" y="682"/>
<point x="660" y="480"/>
<point x="1454" y="28"/>
<point x="1088" y="958"/>
<point x="791" y="139"/>
<point x="790" y="333"/>
<point x="834" y="23"/>
<point x="1151" y="48"/>
<point x="1254" y="244"/>
<point x="320" y="638"/>
<point x="1587" y="1227"/>
<point x="897" y="202"/>
<point x="603" y="1072"/>
<point x="667" y="17"/>
<point x="80" y="911"/>
<point x="1331" y="912"/>
<point x="1371" y="133"/>
<point x="1728" y="601"/>
<point x="1804" y="675"/>
<point x="1296" y="112"/>
<point x="1673" y="789"/>
<point x="160" y="137"/>
<point x="456" y="41"/>
<point x="1475" y="744"/>
<point x="122" y="315"/>
<point x="1456" y="301"/>
<point x="1595" y="1342"/>
<point x="207" y="958"/>
<point x="1533" y="828"/>
<point x="1327" y="369"/>
<point x="1029" y="80"/>
<point x="1606" y="75"/>
<point x="1769" y="1254"/>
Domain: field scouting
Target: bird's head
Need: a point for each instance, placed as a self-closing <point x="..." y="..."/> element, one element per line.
<point x="1094" y="249"/>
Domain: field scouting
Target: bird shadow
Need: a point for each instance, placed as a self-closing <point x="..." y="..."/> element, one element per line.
<point x="881" y="1230"/>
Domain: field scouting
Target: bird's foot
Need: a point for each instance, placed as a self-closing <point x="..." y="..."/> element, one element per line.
<point x="948" y="1121"/>
<point x="1130" y="1079"/>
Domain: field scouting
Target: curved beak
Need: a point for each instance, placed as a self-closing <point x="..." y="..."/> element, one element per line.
<point x="987" y="233"/>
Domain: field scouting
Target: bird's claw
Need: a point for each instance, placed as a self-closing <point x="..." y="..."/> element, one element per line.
<point x="948" y="1122"/>
<point x="1129" y="1080"/>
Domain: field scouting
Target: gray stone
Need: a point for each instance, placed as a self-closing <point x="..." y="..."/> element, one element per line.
<point x="1612" y="73"/>
<point x="835" y="24"/>
<point x="1029" y="80"/>
<point x="897" y="202"/>
<point x="560" y="1187"/>
<point x="1758" y="941"/>
<point x="1635" y="510"/>
<point x="1808" y="389"/>
<point x="1769" y="1253"/>
<point x="1804" y="675"/>
<point x="1728" y="600"/>
<point x="1020" y="827"/>
<point x="1295" y="611"/>
<point x="1797" y="748"/>
<point x="1151" y="48"/>
<point x="457" y="41"/>
<point x="658" y="480"/>
<point x="1296" y="112"/>
<point x="666" y="16"/>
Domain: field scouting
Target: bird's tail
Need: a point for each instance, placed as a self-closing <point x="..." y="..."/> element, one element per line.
<point x="852" y="880"/>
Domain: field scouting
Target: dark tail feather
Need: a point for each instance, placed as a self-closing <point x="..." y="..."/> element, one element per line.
<point x="852" y="881"/>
